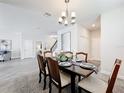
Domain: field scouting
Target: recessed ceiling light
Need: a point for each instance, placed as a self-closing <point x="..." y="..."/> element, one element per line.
<point x="47" y="14"/>
<point x="93" y="25"/>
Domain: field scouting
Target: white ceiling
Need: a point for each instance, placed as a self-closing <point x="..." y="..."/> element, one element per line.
<point x="29" y="13"/>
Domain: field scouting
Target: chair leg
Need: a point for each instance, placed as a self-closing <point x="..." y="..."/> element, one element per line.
<point x="60" y="90"/>
<point x="44" y="82"/>
<point x="40" y="77"/>
<point x="50" y="87"/>
<point x="79" y="90"/>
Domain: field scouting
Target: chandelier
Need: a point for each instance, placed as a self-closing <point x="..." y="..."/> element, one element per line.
<point x="66" y="17"/>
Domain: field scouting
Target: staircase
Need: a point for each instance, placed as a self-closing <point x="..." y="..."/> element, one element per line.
<point x="54" y="46"/>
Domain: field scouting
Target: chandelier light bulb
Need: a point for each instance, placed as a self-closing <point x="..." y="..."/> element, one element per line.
<point x="63" y="14"/>
<point x="73" y="21"/>
<point x="73" y="15"/>
<point x="66" y="22"/>
<point x="60" y="20"/>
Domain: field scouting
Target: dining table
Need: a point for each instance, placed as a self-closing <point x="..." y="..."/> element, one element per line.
<point x="76" y="70"/>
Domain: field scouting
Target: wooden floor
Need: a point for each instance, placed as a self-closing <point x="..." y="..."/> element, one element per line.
<point x="21" y="76"/>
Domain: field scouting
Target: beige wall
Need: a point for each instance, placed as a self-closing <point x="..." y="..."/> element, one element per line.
<point x="95" y="44"/>
<point x="84" y="40"/>
<point x="112" y="39"/>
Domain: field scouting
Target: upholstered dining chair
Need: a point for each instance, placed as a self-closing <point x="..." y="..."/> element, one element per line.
<point x="58" y="78"/>
<point x="47" y="54"/>
<point x="82" y="56"/>
<point x="95" y="85"/>
<point x="42" y="69"/>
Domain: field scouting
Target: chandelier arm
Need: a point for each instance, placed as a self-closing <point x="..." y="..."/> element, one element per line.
<point x="66" y="1"/>
<point x="67" y="13"/>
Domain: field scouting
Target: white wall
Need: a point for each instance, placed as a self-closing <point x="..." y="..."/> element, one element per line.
<point x="95" y="44"/>
<point x="73" y="31"/>
<point x="80" y="38"/>
<point x="46" y="40"/>
<point x="112" y="39"/>
<point x="83" y="40"/>
<point x="66" y="41"/>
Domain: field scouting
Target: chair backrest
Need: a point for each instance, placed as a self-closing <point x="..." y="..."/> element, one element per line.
<point x="48" y="54"/>
<point x="113" y="76"/>
<point x="40" y="52"/>
<point x="53" y="70"/>
<point x="82" y="55"/>
<point x="41" y="63"/>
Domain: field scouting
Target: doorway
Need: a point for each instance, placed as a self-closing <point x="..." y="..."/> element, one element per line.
<point x="28" y="49"/>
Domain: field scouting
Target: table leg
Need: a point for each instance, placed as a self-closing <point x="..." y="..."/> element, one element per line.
<point x="73" y="83"/>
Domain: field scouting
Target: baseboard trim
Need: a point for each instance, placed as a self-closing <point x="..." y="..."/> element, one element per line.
<point x="108" y="73"/>
<point x="15" y="57"/>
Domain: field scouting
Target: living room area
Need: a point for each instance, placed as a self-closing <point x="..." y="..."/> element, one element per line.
<point x="19" y="45"/>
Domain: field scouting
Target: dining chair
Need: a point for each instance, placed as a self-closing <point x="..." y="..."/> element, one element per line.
<point x="95" y="85"/>
<point x="82" y="56"/>
<point x="47" y="54"/>
<point x="58" y="78"/>
<point x="43" y="70"/>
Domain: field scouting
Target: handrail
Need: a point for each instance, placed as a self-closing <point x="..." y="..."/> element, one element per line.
<point x="53" y="45"/>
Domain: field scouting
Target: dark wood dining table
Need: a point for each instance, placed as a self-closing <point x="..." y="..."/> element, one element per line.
<point x="75" y="70"/>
